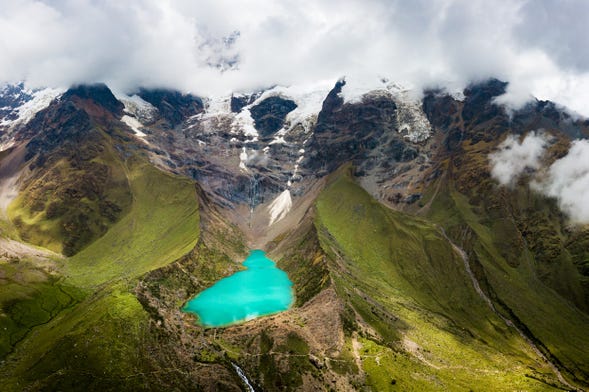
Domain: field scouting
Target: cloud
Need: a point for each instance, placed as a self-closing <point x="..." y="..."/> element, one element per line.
<point x="537" y="45"/>
<point x="514" y="157"/>
<point x="568" y="182"/>
<point x="558" y="28"/>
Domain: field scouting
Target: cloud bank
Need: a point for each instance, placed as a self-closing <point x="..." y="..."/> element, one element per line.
<point x="217" y="46"/>
<point x="513" y="157"/>
<point x="566" y="180"/>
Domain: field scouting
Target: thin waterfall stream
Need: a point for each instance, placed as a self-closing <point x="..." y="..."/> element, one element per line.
<point x="243" y="377"/>
<point x="254" y="192"/>
<point x="507" y="321"/>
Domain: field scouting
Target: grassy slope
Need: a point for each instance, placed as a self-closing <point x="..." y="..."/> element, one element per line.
<point x="75" y="198"/>
<point x="29" y="297"/>
<point x="560" y="326"/>
<point x="162" y="226"/>
<point x="405" y="280"/>
<point x="95" y="341"/>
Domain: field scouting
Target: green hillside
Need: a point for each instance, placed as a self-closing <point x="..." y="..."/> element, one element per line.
<point x="426" y="325"/>
<point x="73" y="196"/>
<point x="520" y="259"/>
<point x="82" y="325"/>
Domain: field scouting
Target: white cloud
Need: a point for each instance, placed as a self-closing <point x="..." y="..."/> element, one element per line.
<point x="514" y="157"/>
<point x="419" y="43"/>
<point x="568" y="181"/>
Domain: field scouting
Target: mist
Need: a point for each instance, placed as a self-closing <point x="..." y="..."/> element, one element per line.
<point x="566" y="179"/>
<point x="213" y="47"/>
<point x="514" y="157"/>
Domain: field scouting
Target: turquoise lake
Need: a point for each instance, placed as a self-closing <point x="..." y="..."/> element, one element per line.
<point x="260" y="290"/>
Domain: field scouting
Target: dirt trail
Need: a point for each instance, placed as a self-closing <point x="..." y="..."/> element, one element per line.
<point x="10" y="248"/>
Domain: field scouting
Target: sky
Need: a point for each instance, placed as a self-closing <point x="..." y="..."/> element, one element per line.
<point x="213" y="47"/>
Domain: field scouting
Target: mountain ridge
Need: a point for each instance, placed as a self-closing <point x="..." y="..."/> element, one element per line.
<point x="383" y="205"/>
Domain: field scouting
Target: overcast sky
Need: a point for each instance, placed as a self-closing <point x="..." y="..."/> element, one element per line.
<point x="541" y="47"/>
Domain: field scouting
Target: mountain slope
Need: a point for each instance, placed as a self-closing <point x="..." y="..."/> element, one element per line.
<point x="74" y="321"/>
<point x="412" y="269"/>
<point x="410" y="286"/>
<point x="517" y="240"/>
<point x="105" y="325"/>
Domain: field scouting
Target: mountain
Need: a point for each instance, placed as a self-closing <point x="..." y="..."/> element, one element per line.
<point x="413" y="268"/>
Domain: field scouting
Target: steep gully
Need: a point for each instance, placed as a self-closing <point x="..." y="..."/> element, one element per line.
<point x="507" y="321"/>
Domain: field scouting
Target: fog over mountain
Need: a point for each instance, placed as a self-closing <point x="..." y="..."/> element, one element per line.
<point x="566" y="179"/>
<point x="213" y="47"/>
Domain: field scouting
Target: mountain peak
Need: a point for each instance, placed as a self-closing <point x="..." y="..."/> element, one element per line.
<point x="98" y="93"/>
<point x="173" y="105"/>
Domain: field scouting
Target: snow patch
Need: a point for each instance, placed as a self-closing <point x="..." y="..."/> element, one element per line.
<point x="244" y="122"/>
<point x="217" y="106"/>
<point x="136" y="107"/>
<point x="278" y="140"/>
<point x="280" y="206"/>
<point x="357" y="87"/>
<point x="411" y="119"/>
<point x="458" y="95"/>
<point x="6" y="145"/>
<point x="39" y="101"/>
<point x="134" y="124"/>
<point x="138" y="112"/>
<point x="309" y="99"/>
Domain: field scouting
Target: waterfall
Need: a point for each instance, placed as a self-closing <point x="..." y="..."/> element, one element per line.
<point x="254" y="195"/>
<point x="507" y="321"/>
<point x="243" y="377"/>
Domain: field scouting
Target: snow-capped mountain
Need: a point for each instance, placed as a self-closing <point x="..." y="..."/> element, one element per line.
<point x="262" y="149"/>
<point x="18" y="105"/>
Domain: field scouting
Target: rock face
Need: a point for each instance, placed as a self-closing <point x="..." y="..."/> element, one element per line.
<point x="478" y="121"/>
<point x="478" y="105"/>
<point x="99" y="94"/>
<point x="349" y="132"/>
<point x="173" y="106"/>
<point x="238" y="102"/>
<point x="70" y="121"/>
<point x="372" y="134"/>
<point x="269" y="115"/>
